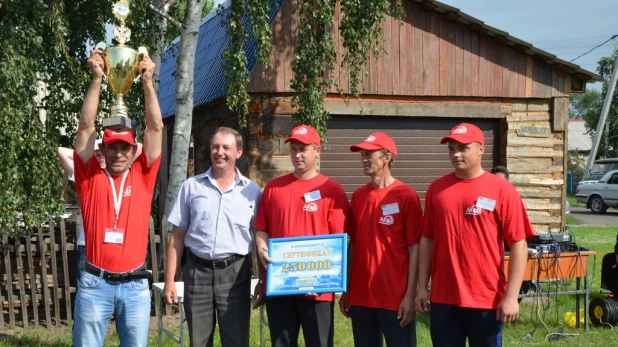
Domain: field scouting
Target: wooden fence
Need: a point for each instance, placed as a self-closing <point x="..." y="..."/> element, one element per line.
<point x="37" y="285"/>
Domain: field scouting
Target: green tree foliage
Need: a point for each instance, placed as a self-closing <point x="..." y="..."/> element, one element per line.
<point x="235" y="58"/>
<point x="44" y="46"/>
<point x="32" y="35"/>
<point x="314" y="57"/>
<point x="589" y="105"/>
<point x="315" y="53"/>
<point x="583" y="106"/>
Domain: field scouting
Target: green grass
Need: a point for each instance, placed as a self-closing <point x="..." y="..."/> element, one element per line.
<point x="570" y="220"/>
<point x="600" y="240"/>
<point x="573" y="201"/>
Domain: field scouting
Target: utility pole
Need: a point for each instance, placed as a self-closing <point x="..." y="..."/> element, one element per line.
<point x="597" y="134"/>
<point x="606" y="139"/>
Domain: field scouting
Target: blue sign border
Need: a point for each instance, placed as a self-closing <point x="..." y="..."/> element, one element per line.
<point x="341" y="250"/>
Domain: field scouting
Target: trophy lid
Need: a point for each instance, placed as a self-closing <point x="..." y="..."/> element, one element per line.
<point x="121" y="11"/>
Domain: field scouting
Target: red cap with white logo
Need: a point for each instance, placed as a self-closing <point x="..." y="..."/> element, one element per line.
<point x="465" y="133"/>
<point x="305" y="134"/>
<point x="376" y="141"/>
<point x="110" y="136"/>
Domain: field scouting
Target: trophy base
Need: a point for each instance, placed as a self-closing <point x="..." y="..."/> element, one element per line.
<point x="117" y="123"/>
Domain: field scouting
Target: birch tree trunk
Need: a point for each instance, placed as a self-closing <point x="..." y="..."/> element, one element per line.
<point x="184" y="101"/>
<point x="158" y="38"/>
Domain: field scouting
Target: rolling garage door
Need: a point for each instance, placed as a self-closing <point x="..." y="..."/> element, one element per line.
<point x="421" y="157"/>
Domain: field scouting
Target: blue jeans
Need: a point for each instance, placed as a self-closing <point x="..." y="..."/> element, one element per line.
<point x="81" y="262"/>
<point x="97" y="299"/>
<point x="450" y="325"/>
<point x="368" y="325"/>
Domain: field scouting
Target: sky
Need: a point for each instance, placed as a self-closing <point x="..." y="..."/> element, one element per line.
<point x="565" y="28"/>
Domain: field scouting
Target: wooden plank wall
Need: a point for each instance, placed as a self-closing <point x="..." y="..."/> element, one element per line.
<point x="34" y="276"/>
<point x="536" y="163"/>
<point x="428" y="55"/>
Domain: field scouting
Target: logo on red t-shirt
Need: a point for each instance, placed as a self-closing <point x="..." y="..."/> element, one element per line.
<point x="387" y="220"/>
<point x="473" y="210"/>
<point x="311" y="207"/>
<point x="127" y="192"/>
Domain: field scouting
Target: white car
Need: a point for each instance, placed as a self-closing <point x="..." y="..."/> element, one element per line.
<point x="598" y="196"/>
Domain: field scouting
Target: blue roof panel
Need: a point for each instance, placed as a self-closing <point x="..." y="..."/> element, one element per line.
<point x="209" y="78"/>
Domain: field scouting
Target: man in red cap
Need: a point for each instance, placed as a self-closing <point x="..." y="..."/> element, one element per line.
<point x="302" y="203"/>
<point x="115" y="205"/>
<point x="468" y="215"/>
<point x="384" y="235"/>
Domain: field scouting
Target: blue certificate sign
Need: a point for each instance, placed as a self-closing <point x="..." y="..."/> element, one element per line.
<point x="311" y="264"/>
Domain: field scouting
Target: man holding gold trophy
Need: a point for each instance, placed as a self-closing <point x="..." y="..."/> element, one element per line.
<point x="116" y="202"/>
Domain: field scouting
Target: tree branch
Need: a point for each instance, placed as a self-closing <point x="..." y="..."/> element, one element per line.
<point x="170" y="3"/>
<point x="166" y="16"/>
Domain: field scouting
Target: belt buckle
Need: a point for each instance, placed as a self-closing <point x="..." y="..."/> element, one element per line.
<point x="114" y="278"/>
<point x="219" y="264"/>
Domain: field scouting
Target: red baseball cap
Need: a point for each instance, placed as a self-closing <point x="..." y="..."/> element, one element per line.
<point x="375" y="141"/>
<point x="305" y="134"/>
<point x="465" y="133"/>
<point x="110" y="136"/>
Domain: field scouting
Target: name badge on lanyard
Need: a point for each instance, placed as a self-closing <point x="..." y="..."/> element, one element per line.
<point x="115" y="235"/>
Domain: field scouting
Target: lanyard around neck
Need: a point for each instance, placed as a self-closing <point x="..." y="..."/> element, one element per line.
<point x="117" y="197"/>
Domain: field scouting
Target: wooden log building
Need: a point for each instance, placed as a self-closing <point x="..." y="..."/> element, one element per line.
<point x="442" y="67"/>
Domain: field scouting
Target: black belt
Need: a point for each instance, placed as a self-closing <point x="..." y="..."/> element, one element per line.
<point x="138" y="274"/>
<point x="215" y="264"/>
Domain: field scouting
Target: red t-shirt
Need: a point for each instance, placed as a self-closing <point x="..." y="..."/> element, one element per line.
<point x="386" y="222"/>
<point x="468" y="239"/>
<point x="95" y="197"/>
<point x="283" y="211"/>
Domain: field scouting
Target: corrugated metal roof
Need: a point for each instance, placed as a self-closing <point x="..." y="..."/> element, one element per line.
<point x="209" y="78"/>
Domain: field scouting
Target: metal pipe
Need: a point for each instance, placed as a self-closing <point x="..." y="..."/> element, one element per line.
<point x="602" y="120"/>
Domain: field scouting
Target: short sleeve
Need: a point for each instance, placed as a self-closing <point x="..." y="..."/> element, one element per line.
<point x="428" y="220"/>
<point x="148" y="172"/>
<point x="338" y="216"/>
<point x="180" y="215"/>
<point x="414" y="219"/>
<point x="261" y="220"/>
<point x="84" y="172"/>
<point x="258" y="199"/>
<point x="352" y="223"/>
<point x="514" y="220"/>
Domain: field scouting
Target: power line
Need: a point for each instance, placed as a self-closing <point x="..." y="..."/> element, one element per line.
<point x="581" y="38"/>
<point x="570" y="47"/>
<point x="611" y="38"/>
<point x="595" y="53"/>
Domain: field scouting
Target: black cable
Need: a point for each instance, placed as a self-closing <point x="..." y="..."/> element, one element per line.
<point x="611" y="38"/>
<point x="572" y="39"/>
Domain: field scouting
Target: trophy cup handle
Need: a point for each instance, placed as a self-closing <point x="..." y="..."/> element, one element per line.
<point x="143" y="52"/>
<point x="102" y="46"/>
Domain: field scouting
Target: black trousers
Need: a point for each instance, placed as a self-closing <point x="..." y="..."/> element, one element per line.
<point x="286" y="314"/>
<point x="218" y="295"/>
<point x="451" y="325"/>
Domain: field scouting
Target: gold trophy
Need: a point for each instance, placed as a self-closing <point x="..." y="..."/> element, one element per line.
<point x="121" y="68"/>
